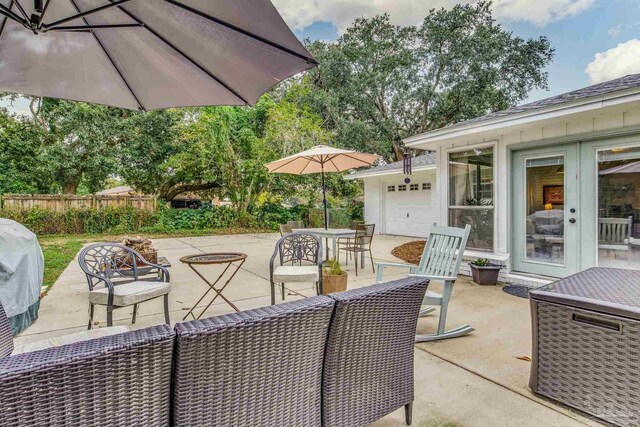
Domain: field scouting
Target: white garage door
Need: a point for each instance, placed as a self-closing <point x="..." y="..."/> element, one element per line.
<point x="408" y="209"/>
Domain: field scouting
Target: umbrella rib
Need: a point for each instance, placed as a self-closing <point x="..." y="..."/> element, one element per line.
<point x="306" y="166"/>
<point x="285" y="164"/>
<point x="7" y="12"/>
<point x="187" y="57"/>
<point x="334" y="165"/>
<point x="4" y="22"/>
<point x="20" y="8"/>
<point x="357" y="159"/>
<point x="95" y="36"/>
<point x="44" y="11"/>
<point x="242" y="31"/>
<point x="83" y="14"/>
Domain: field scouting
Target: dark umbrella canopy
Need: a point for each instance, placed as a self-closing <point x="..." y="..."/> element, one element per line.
<point x="146" y="54"/>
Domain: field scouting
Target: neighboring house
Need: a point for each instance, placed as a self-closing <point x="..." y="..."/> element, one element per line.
<point x="397" y="207"/>
<point x="122" y="190"/>
<point x="550" y="188"/>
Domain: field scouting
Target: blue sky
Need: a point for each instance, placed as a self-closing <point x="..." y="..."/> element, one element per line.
<point x="578" y="34"/>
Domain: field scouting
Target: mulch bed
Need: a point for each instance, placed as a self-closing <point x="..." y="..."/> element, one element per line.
<point x="409" y="252"/>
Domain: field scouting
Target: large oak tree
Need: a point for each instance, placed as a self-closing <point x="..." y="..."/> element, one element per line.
<point x="380" y="83"/>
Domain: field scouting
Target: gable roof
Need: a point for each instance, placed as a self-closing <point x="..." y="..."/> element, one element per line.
<point x="606" y="89"/>
<point x="425" y="161"/>
<point x="626" y="82"/>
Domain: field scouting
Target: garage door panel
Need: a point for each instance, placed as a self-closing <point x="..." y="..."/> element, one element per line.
<point x="408" y="213"/>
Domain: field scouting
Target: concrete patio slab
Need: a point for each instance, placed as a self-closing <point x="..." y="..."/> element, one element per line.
<point x="476" y="380"/>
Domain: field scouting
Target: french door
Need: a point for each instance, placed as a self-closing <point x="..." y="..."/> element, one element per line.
<point x="545" y="211"/>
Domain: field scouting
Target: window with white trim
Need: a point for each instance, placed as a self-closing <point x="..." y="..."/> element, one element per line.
<point x="471" y="195"/>
<point x="391" y="188"/>
<point x="414" y="187"/>
<point x="402" y="187"/>
<point x="426" y="186"/>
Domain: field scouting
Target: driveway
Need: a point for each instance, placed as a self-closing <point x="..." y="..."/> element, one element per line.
<point x="477" y="380"/>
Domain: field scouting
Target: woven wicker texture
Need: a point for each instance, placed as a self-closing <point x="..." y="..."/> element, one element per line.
<point x="588" y="367"/>
<point x="254" y="368"/>
<point x="369" y="358"/>
<point x="120" y="380"/>
<point x="602" y="284"/>
<point x="6" y="336"/>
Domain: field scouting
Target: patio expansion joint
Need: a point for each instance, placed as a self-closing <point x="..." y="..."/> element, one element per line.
<point x="542" y="402"/>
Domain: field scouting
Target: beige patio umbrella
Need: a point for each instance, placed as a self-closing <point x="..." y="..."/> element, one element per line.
<point x="321" y="159"/>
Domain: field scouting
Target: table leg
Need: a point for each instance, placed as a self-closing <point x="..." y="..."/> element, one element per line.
<point x="334" y="248"/>
<point x="326" y="246"/>
<point x="213" y="288"/>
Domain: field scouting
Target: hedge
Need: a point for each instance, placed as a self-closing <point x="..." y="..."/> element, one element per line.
<point x="123" y="220"/>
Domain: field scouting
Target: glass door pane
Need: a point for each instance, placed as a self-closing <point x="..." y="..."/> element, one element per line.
<point x="619" y="208"/>
<point x="545" y="210"/>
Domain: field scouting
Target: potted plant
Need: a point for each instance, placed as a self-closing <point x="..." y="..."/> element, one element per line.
<point x="334" y="278"/>
<point x="483" y="272"/>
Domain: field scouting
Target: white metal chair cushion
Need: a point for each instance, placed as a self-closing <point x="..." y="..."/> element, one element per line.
<point x="130" y="293"/>
<point x="296" y="273"/>
<point x="71" y="339"/>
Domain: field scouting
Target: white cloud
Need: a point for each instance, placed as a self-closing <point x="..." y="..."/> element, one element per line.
<point x="615" y="31"/>
<point x="302" y="13"/>
<point x="616" y="62"/>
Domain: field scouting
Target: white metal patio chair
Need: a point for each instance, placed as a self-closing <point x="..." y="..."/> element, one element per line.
<point x="440" y="261"/>
<point x="296" y="249"/>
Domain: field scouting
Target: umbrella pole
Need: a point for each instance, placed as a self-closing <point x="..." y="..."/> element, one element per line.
<point x="324" y="200"/>
<point x="324" y="208"/>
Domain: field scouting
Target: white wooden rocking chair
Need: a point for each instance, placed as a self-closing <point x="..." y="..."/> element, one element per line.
<point x="440" y="261"/>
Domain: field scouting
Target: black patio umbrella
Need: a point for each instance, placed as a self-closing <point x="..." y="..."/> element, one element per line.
<point x="146" y="54"/>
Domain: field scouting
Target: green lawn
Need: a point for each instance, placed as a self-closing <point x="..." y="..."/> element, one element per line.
<point x="59" y="251"/>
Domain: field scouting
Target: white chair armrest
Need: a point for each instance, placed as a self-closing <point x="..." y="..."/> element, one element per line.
<point x="380" y="266"/>
<point x="439" y="278"/>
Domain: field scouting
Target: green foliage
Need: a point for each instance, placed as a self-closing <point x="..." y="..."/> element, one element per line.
<point x="333" y="268"/>
<point x="267" y="216"/>
<point x="481" y="262"/>
<point x="380" y="82"/>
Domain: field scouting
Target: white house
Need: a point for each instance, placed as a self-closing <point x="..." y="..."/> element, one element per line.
<point x="396" y="206"/>
<point x="550" y="188"/>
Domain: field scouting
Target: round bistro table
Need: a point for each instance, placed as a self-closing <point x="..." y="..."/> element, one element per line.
<point x="221" y="258"/>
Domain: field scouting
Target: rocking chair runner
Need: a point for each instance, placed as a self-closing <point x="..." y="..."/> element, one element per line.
<point x="440" y="261"/>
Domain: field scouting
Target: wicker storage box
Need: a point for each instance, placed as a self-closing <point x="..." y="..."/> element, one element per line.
<point x="586" y="343"/>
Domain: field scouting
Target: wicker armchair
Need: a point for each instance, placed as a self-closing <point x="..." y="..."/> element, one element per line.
<point x="296" y="248"/>
<point x="368" y="370"/>
<point x="119" y="380"/>
<point x="255" y="368"/>
<point x="103" y="263"/>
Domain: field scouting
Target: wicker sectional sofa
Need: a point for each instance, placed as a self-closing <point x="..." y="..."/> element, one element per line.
<point x="339" y="360"/>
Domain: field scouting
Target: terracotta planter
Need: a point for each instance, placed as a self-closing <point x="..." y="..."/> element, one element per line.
<point x="331" y="283"/>
<point x="485" y="275"/>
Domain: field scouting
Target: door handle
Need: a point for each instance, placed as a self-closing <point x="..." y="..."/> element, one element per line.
<point x="572" y="220"/>
<point x="572" y="210"/>
<point x="407" y="214"/>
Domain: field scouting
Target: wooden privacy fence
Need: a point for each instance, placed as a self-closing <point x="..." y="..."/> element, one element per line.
<point x="62" y="202"/>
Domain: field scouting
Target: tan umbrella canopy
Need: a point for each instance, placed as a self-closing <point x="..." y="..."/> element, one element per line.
<point x="321" y="159"/>
<point x="146" y="54"/>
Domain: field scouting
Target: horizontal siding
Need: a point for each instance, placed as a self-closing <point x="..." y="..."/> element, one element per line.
<point x="372" y="203"/>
